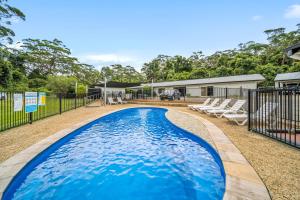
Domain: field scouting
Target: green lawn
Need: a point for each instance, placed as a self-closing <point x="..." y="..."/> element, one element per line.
<point x="10" y="119"/>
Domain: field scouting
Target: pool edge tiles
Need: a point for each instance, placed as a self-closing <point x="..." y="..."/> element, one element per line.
<point x="235" y="186"/>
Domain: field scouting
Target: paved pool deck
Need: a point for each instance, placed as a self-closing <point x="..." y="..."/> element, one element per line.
<point x="23" y="143"/>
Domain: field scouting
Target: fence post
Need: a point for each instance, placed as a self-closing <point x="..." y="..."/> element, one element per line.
<point x="30" y="118"/>
<point x="249" y="109"/>
<point x="226" y="93"/>
<point x="60" y="103"/>
<point x="75" y="100"/>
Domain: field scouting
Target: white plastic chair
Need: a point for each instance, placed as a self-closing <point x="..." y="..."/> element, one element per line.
<point x="264" y="112"/>
<point x="211" y="105"/>
<point x="111" y="101"/>
<point x="223" y="105"/>
<point x="120" y="101"/>
<point x="194" y="106"/>
<point x="237" y="106"/>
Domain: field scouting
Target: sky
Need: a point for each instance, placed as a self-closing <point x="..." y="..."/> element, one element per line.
<point x="132" y="32"/>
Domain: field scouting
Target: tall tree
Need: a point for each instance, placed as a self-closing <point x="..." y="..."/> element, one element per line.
<point x="46" y="57"/>
<point x="7" y="15"/>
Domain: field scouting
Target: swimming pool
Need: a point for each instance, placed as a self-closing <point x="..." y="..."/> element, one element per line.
<point x="132" y="154"/>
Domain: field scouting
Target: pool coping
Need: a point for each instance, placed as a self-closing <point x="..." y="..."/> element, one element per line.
<point x="242" y="182"/>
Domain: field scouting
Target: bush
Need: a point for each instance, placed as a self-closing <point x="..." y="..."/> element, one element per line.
<point x="61" y="84"/>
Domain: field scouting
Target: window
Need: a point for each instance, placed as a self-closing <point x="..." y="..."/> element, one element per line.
<point x="210" y="91"/>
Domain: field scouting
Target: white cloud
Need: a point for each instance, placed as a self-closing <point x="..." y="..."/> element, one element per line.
<point x="100" y="60"/>
<point x="105" y="58"/>
<point x="293" y="11"/>
<point x="17" y="45"/>
<point x="15" y="20"/>
<point x="257" y="17"/>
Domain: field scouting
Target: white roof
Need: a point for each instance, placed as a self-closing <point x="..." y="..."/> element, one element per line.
<point x="227" y="79"/>
<point x="288" y="76"/>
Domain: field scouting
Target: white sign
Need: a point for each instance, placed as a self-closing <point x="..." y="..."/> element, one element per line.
<point x="42" y="98"/>
<point x="18" y="102"/>
<point x="31" y="102"/>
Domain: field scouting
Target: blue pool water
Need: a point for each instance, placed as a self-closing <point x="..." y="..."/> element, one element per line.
<point x="132" y="154"/>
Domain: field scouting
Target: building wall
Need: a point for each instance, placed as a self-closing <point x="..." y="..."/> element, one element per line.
<point x="281" y="83"/>
<point x="196" y="91"/>
<point x="201" y="90"/>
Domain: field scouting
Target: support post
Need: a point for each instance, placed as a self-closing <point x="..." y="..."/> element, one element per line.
<point x="75" y="100"/>
<point x="249" y="109"/>
<point x="76" y="94"/>
<point x="60" y="103"/>
<point x="30" y="118"/>
<point x="104" y="91"/>
<point x="152" y="89"/>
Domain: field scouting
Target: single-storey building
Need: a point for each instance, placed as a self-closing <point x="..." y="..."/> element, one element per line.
<point x="287" y="80"/>
<point x="207" y="86"/>
<point x="294" y="51"/>
<point x="112" y="88"/>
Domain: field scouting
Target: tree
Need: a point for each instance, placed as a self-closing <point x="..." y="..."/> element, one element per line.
<point x="86" y="74"/>
<point x="5" y="74"/>
<point x="47" y="57"/>
<point x="61" y="84"/>
<point x="7" y="14"/>
<point x="120" y="73"/>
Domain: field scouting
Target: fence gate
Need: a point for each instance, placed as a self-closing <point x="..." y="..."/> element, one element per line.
<point x="275" y="113"/>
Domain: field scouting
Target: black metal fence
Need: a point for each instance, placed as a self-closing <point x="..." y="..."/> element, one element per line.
<point x="230" y="93"/>
<point x="55" y="104"/>
<point x="275" y="113"/>
<point x="214" y="92"/>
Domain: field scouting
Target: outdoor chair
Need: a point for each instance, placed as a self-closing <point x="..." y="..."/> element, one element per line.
<point x="239" y="119"/>
<point x="223" y="105"/>
<point x="194" y="106"/>
<point x="120" y="101"/>
<point x="211" y="105"/>
<point x="111" y="101"/>
<point x="264" y="112"/>
<point x="235" y="109"/>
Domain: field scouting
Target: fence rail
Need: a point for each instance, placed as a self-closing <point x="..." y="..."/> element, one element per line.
<point x="275" y="113"/>
<point x="55" y="104"/>
<point x="215" y="92"/>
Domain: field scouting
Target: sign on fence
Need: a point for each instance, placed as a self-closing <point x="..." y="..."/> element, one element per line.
<point x="42" y="98"/>
<point x="31" y="103"/>
<point x="18" y="102"/>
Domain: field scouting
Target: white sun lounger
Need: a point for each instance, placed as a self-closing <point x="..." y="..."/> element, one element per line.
<point x="111" y="101"/>
<point x="120" y="101"/>
<point x="212" y="104"/>
<point x="223" y="105"/>
<point x="239" y="119"/>
<point x="193" y="106"/>
<point x="237" y="106"/>
<point x="264" y="112"/>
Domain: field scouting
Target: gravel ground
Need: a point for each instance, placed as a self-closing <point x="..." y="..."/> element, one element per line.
<point x="277" y="164"/>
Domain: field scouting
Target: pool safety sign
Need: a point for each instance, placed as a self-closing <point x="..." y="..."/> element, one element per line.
<point x="31" y="102"/>
<point x="42" y="98"/>
<point x="18" y="102"/>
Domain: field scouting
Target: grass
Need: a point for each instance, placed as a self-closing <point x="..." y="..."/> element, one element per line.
<point x="10" y="119"/>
